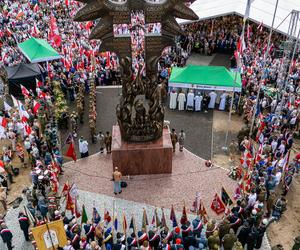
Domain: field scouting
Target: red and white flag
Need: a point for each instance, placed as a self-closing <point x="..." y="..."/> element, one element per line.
<point x="38" y="83"/>
<point x="36" y="8"/>
<point x="36" y="106"/>
<point x="27" y="129"/>
<point x="9" y="32"/>
<point x="25" y="91"/>
<point x="260" y="27"/>
<point x="3" y="121"/>
<point x="217" y="205"/>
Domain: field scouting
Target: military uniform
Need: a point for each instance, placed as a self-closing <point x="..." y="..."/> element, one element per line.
<point x="108" y="141"/>
<point x="214" y="241"/>
<point x="174" y="139"/>
<point x="229" y="240"/>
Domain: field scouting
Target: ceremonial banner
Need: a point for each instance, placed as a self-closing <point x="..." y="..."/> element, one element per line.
<point x="50" y="235"/>
<point x="217" y="205"/>
<point x="225" y="197"/>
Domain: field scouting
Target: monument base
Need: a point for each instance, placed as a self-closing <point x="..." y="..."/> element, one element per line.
<point x="142" y="158"/>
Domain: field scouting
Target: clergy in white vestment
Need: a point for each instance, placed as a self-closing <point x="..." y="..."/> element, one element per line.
<point x="213" y="96"/>
<point x="181" y="100"/>
<point x="190" y="100"/>
<point x="173" y="99"/>
<point x="198" y="102"/>
<point x="223" y="101"/>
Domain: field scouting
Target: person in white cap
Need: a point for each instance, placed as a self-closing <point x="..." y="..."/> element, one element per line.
<point x="83" y="147"/>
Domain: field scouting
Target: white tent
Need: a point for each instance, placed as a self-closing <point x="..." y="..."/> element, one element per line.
<point x="261" y="11"/>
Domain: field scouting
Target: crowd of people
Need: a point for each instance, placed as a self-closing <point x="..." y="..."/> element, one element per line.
<point x="32" y="129"/>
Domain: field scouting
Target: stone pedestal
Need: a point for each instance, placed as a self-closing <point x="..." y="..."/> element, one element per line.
<point x="142" y="158"/>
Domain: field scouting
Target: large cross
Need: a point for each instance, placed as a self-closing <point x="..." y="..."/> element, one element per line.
<point x="137" y="30"/>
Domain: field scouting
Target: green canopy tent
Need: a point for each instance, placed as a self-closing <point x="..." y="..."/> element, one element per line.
<point x="205" y="78"/>
<point x="38" y="50"/>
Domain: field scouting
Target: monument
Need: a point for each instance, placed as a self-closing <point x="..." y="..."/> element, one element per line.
<point x="138" y="31"/>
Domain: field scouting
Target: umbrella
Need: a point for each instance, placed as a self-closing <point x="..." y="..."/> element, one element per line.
<point x="38" y="50"/>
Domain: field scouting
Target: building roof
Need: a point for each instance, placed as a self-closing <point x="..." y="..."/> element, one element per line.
<point x="261" y="11"/>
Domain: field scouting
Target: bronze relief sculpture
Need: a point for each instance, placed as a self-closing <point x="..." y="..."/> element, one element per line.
<point x="140" y="119"/>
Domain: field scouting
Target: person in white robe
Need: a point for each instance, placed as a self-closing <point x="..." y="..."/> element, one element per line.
<point x="198" y="102"/>
<point x="173" y="99"/>
<point x="181" y="101"/>
<point x="190" y="100"/>
<point x="213" y="96"/>
<point x="223" y="101"/>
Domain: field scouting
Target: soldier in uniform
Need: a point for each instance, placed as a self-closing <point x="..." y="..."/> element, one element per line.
<point x="108" y="141"/>
<point x="6" y="236"/>
<point x="224" y="228"/>
<point x="181" y="140"/>
<point x="210" y="228"/>
<point x="100" y="138"/>
<point x="92" y="124"/>
<point x="228" y="240"/>
<point x="214" y="241"/>
<point x="174" y="139"/>
<point x="74" y="125"/>
<point x="24" y="224"/>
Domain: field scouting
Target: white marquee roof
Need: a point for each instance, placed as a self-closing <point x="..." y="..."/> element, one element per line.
<point x="261" y="11"/>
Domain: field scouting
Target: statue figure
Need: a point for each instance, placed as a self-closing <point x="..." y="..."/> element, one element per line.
<point x="142" y="125"/>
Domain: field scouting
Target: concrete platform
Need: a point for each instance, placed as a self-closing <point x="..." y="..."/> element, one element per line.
<point x="189" y="175"/>
<point x="142" y="158"/>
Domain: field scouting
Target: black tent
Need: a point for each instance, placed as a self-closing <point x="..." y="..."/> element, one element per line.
<point x="24" y="74"/>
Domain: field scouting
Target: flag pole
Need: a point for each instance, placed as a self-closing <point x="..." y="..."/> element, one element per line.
<point x="225" y="148"/>
<point x="264" y="67"/>
<point x="113" y="228"/>
<point x="135" y="233"/>
<point x="230" y="110"/>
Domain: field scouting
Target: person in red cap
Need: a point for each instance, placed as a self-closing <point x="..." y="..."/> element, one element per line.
<point x="177" y="235"/>
<point x="178" y="244"/>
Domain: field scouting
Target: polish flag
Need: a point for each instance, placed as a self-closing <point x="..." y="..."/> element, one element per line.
<point x="27" y="128"/>
<point x="25" y="91"/>
<point x="88" y="25"/>
<point x="38" y="83"/>
<point x="36" y="31"/>
<point x="3" y="121"/>
<point x="260" y="27"/>
<point x="36" y="8"/>
<point x="36" y="106"/>
<point x="9" y="32"/>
